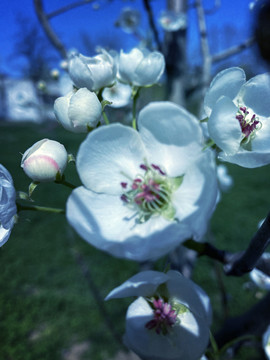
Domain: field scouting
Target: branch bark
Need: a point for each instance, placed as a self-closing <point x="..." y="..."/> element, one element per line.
<point x="233" y="50"/>
<point x="242" y="262"/>
<point x="43" y="19"/>
<point x="152" y="23"/>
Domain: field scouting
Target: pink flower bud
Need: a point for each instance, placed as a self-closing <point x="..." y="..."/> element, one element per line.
<point x="45" y="160"/>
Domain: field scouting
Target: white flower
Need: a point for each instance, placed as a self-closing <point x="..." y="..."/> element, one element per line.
<point x="8" y="207"/>
<point x="141" y="68"/>
<point x="266" y="342"/>
<point x="119" y="94"/>
<point x="172" y="21"/>
<point x="170" y="319"/>
<point x="259" y="277"/>
<point x="45" y="160"/>
<point x="129" y="20"/>
<point x="94" y="73"/>
<point x="144" y="192"/>
<point x="239" y="120"/>
<point x="78" y="111"/>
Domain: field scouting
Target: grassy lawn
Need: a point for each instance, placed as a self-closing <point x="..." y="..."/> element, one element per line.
<point x="49" y="276"/>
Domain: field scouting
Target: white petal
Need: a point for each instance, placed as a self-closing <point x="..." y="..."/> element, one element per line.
<point x="84" y="109"/>
<point x="142" y="284"/>
<point x="149" y="70"/>
<point x="108" y="224"/>
<point x="255" y="94"/>
<point x="171" y="135"/>
<point x="226" y="83"/>
<point x="261" y="141"/>
<point x="223" y="126"/>
<point x="5" y="233"/>
<point x="110" y="155"/>
<point x="189" y="294"/>
<point x="61" y="106"/>
<point x="248" y="159"/>
<point x="187" y="340"/>
<point x="195" y="199"/>
<point x="128" y="63"/>
<point x="79" y="72"/>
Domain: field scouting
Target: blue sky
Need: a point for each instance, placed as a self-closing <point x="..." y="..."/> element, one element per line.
<point x="70" y="26"/>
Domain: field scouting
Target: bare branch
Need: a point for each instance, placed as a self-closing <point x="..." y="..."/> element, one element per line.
<point x="216" y="6"/>
<point x="241" y="262"/>
<point x="253" y="322"/>
<point x="206" y="56"/>
<point x="43" y="19"/>
<point x="256" y="248"/>
<point x="152" y="23"/>
<point x="67" y="8"/>
<point x="233" y="50"/>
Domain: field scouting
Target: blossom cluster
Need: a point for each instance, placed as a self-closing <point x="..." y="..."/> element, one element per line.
<point x="147" y="188"/>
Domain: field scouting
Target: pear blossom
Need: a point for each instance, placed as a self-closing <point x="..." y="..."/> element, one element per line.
<point x="78" y="111"/>
<point x="140" y="67"/>
<point x="144" y="192"/>
<point x="8" y="207"/>
<point x="119" y="95"/>
<point x="129" y="20"/>
<point x="45" y="161"/>
<point x="169" y="320"/>
<point x="239" y="117"/>
<point x="173" y="21"/>
<point x="94" y="73"/>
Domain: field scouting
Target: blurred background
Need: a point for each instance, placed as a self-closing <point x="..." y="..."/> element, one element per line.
<point x="52" y="283"/>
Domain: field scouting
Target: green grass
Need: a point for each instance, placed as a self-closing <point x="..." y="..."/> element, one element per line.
<point x="47" y="304"/>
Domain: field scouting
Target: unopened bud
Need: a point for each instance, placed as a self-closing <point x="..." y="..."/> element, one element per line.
<point x="45" y="161"/>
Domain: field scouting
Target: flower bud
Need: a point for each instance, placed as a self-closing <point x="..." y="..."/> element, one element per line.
<point x="45" y="160"/>
<point x="77" y="111"/>
<point x="141" y="67"/>
<point x="93" y="73"/>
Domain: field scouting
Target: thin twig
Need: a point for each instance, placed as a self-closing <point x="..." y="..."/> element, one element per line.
<point x="242" y="262"/>
<point x="256" y="248"/>
<point x="43" y="19"/>
<point x="152" y="22"/>
<point x="233" y="50"/>
<point x="206" y="56"/>
<point x="67" y="8"/>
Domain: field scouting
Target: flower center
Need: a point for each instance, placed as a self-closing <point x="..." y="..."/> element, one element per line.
<point x="249" y="123"/>
<point x="164" y="316"/>
<point x="150" y="193"/>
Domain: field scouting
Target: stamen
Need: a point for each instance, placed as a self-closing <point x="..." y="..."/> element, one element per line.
<point x="150" y="193"/>
<point x="249" y="124"/>
<point x="164" y="316"/>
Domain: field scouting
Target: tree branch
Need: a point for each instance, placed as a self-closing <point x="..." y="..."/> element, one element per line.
<point x="67" y="8"/>
<point x="239" y="263"/>
<point x="43" y="19"/>
<point x="233" y="50"/>
<point x="256" y="248"/>
<point x="253" y="322"/>
<point x="152" y="23"/>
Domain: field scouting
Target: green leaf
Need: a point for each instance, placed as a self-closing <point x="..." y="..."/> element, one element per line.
<point x="32" y="187"/>
<point x="104" y="103"/>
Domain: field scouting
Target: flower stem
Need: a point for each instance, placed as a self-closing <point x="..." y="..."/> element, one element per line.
<point x="21" y="207"/>
<point x="66" y="183"/>
<point x="105" y="117"/>
<point x="135" y="96"/>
